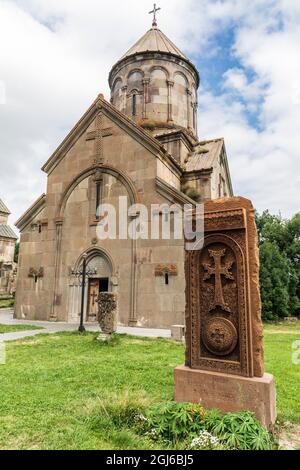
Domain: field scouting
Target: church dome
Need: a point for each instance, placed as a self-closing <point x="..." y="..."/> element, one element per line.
<point x="155" y="84"/>
<point x="154" y="41"/>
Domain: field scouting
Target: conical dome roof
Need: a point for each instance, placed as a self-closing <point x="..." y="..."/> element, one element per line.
<point x="154" y="41"/>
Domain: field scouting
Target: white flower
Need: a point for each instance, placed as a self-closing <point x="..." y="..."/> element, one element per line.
<point x="205" y="439"/>
<point x="142" y="418"/>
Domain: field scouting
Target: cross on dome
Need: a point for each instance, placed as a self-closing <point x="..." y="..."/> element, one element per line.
<point x="154" y="11"/>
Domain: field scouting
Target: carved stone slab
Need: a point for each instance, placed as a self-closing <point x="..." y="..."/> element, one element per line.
<point x="107" y="313"/>
<point x="223" y="309"/>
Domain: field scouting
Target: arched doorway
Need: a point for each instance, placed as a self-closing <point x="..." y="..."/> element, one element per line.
<point x="105" y="280"/>
<point x="99" y="282"/>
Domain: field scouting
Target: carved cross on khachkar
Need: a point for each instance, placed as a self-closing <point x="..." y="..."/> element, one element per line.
<point x="154" y="11"/>
<point x="98" y="136"/>
<point x="218" y="270"/>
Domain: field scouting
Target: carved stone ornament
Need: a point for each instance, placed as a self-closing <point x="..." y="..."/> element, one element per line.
<point x="162" y="269"/>
<point x="36" y="273"/>
<point x="223" y="313"/>
<point x="107" y="314"/>
<point x="220" y="336"/>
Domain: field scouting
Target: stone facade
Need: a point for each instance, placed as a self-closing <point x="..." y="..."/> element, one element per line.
<point x="8" y="268"/>
<point x="112" y="153"/>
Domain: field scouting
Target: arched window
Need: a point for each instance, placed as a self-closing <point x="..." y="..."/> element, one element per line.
<point x="134" y="104"/>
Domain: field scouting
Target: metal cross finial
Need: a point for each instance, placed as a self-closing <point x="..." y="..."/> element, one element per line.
<point x="154" y="11"/>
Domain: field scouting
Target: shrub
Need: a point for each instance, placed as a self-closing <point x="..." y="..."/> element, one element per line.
<point x="240" y="431"/>
<point x="174" y="421"/>
<point x="194" y="428"/>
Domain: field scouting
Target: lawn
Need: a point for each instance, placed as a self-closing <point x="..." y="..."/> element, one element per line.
<point x="13" y="328"/>
<point x="68" y="391"/>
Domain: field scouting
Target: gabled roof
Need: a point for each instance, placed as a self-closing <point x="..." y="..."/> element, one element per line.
<point x="205" y="155"/>
<point x="120" y="119"/>
<point x="33" y="210"/>
<point x="3" y="208"/>
<point x="154" y="41"/>
<point x="7" y="232"/>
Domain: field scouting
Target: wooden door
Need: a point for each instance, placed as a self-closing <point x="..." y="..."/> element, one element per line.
<point x="94" y="289"/>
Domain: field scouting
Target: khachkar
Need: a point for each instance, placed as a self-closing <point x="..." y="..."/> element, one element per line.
<point x="107" y="315"/>
<point x="224" y="355"/>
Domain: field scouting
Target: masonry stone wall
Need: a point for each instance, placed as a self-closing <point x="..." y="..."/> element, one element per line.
<point x="156" y="87"/>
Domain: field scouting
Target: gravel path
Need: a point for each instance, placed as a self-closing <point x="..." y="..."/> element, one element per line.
<point x="6" y="318"/>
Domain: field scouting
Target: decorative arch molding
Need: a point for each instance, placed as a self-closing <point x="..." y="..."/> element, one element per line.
<point x="134" y="91"/>
<point x="181" y="74"/>
<point x="196" y="252"/>
<point x="161" y="68"/>
<point x="93" y="252"/>
<point x="118" y="79"/>
<point x="106" y="169"/>
<point x="133" y="71"/>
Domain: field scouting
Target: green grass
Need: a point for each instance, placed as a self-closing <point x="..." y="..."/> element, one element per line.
<point x="68" y="391"/>
<point x="6" y="303"/>
<point x="13" y="328"/>
<point x="279" y="340"/>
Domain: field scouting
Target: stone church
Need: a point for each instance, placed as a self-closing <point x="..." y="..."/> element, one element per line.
<point x="8" y="268"/>
<point x="142" y="145"/>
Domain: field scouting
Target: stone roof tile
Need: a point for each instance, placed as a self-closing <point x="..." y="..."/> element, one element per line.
<point x="7" y="232"/>
<point x="3" y="208"/>
<point x="205" y="155"/>
<point x="154" y="41"/>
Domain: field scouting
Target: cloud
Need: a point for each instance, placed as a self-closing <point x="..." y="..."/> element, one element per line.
<point x="55" y="58"/>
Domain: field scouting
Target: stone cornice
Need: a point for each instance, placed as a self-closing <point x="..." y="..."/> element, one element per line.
<point x="171" y="193"/>
<point x="35" y="209"/>
<point x="198" y="173"/>
<point x="177" y="134"/>
<point x="167" y="56"/>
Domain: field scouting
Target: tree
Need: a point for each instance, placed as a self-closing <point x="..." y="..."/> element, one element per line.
<point x="274" y="282"/>
<point x="279" y="241"/>
<point x="16" y="256"/>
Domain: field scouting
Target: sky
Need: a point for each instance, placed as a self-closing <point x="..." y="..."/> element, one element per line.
<point x="55" y="57"/>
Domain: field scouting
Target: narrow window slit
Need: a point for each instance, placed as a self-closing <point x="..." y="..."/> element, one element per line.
<point x="133" y="105"/>
<point x="98" y="198"/>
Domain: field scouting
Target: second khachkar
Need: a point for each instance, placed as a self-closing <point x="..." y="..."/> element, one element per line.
<point x="224" y="328"/>
<point x="224" y="365"/>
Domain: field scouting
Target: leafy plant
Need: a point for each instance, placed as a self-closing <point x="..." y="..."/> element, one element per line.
<point x="241" y="431"/>
<point x="174" y="421"/>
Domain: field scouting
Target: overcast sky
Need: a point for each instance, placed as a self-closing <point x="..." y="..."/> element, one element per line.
<point x="55" y="57"/>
